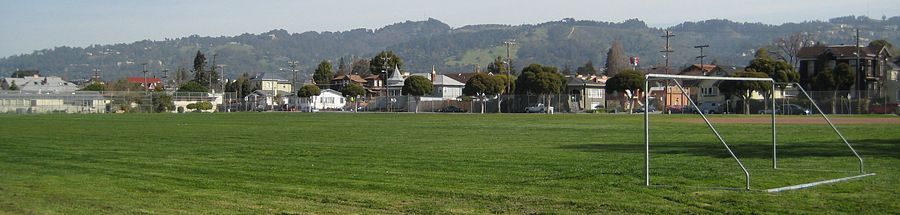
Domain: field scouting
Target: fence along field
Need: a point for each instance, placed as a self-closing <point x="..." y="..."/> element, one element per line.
<point x="295" y="163"/>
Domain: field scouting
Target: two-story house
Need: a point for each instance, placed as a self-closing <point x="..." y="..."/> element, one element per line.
<point x="871" y="72"/>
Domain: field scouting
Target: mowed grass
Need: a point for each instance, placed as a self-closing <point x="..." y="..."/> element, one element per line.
<point x="293" y="163"/>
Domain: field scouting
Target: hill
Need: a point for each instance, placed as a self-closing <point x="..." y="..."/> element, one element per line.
<point x="423" y="44"/>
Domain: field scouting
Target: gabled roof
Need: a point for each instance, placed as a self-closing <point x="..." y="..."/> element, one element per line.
<point x="443" y="80"/>
<point x="37" y="83"/>
<point x="575" y="81"/>
<point x="141" y="80"/>
<point x="354" y="78"/>
<point x="838" y="51"/>
<point x="461" y="77"/>
<point x="268" y="77"/>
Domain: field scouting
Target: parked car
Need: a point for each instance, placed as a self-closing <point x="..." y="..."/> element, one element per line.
<point x="885" y="108"/>
<point x="711" y="107"/>
<point x="536" y="108"/>
<point x="641" y="109"/>
<point x="681" y="109"/>
<point x="451" y="109"/>
<point x="788" y="109"/>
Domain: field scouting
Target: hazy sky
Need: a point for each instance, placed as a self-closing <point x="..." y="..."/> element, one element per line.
<point x="29" y="25"/>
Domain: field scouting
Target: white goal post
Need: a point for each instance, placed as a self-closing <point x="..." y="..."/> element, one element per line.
<point x="674" y="78"/>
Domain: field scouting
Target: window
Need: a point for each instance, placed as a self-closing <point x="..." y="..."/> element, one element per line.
<point x="708" y="91"/>
<point x="893" y="75"/>
<point x="594" y="93"/>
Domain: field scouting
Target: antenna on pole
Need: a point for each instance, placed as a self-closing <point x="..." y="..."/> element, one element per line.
<point x="666" y="51"/>
<point x="701" y="55"/>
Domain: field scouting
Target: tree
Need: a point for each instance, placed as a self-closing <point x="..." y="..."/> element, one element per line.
<point x="192" y="86"/>
<point x="509" y="86"/>
<point x="96" y="86"/>
<point x="541" y="80"/>
<point x="25" y="73"/>
<point x="199" y="70"/>
<point x="788" y="47"/>
<point x="498" y="66"/>
<point x="163" y="102"/>
<point x="587" y="70"/>
<point x="360" y="67"/>
<point x="616" y="60"/>
<point x="208" y="78"/>
<point x="844" y="77"/>
<point x="308" y="91"/>
<point x="181" y="76"/>
<point x="200" y="106"/>
<point x="483" y="85"/>
<point x="417" y="86"/>
<point x="745" y="89"/>
<point x="778" y="70"/>
<point x="383" y="62"/>
<point x="13" y="86"/>
<point x="241" y="86"/>
<point x="628" y="83"/>
<point x="353" y="91"/>
<point x="881" y="43"/>
<point x="323" y="75"/>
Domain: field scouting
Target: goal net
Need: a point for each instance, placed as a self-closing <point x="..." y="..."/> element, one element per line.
<point x="696" y="109"/>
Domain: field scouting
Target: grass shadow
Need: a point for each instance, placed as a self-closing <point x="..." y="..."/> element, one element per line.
<point x="869" y="147"/>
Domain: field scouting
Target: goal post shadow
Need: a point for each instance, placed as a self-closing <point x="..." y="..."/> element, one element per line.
<point x="674" y="78"/>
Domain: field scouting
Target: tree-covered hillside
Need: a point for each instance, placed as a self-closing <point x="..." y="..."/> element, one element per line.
<point x="423" y="44"/>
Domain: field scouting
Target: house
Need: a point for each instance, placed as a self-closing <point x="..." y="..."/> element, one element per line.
<point x="269" y="100"/>
<point x="38" y="83"/>
<point x="328" y="100"/>
<point x="447" y="88"/>
<point x="271" y="82"/>
<point x="587" y="91"/>
<point x="52" y="101"/>
<point x="340" y="81"/>
<point x="892" y="84"/>
<point x="875" y="64"/>
<point x="374" y="85"/>
<point x="146" y="83"/>
<point x="394" y="83"/>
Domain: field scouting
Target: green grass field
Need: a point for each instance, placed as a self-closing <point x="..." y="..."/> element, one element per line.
<point x="291" y="163"/>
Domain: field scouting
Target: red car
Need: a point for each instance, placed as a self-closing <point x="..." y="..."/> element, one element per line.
<point x="888" y="108"/>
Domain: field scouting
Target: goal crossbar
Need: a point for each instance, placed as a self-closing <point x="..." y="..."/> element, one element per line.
<point x="658" y="77"/>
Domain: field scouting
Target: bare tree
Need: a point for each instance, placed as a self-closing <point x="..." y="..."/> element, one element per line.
<point x="788" y="47"/>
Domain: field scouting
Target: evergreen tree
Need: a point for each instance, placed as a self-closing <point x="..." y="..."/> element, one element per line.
<point x="384" y="62"/>
<point x="323" y="74"/>
<point x="497" y="66"/>
<point x="587" y="69"/>
<point x="616" y="60"/>
<point x="417" y="86"/>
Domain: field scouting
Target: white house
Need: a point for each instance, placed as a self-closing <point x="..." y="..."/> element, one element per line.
<point x="329" y="99"/>
<point x="447" y="88"/>
<point x="267" y="100"/>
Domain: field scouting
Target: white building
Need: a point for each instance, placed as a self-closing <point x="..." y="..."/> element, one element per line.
<point x="39" y="84"/>
<point x="270" y="82"/>
<point x="328" y="100"/>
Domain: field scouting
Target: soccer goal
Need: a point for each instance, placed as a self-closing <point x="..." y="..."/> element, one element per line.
<point x="676" y="78"/>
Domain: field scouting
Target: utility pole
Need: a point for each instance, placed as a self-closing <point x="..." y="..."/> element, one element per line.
<point x="701" y="55"/>
<point x="145" y="77"/>
<point x="860" y="75"/>
<point x="296" y="79"/>
<point x="666" y="51"/>
<point x="509" y="45"/>
<point x="210" y="83"/>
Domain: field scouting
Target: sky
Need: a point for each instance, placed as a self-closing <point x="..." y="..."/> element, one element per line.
<point x="30" y="25"/>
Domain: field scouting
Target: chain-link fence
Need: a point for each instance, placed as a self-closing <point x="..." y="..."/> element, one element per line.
<point x="789" y="102"/>
<point x="794" y="102"/>
<point x="28" y="102"/>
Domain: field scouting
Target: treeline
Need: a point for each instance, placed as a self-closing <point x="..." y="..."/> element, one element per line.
<point x="430" y="43"/>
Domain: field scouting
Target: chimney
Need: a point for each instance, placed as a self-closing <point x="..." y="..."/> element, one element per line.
<point x="433" y="73"/>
